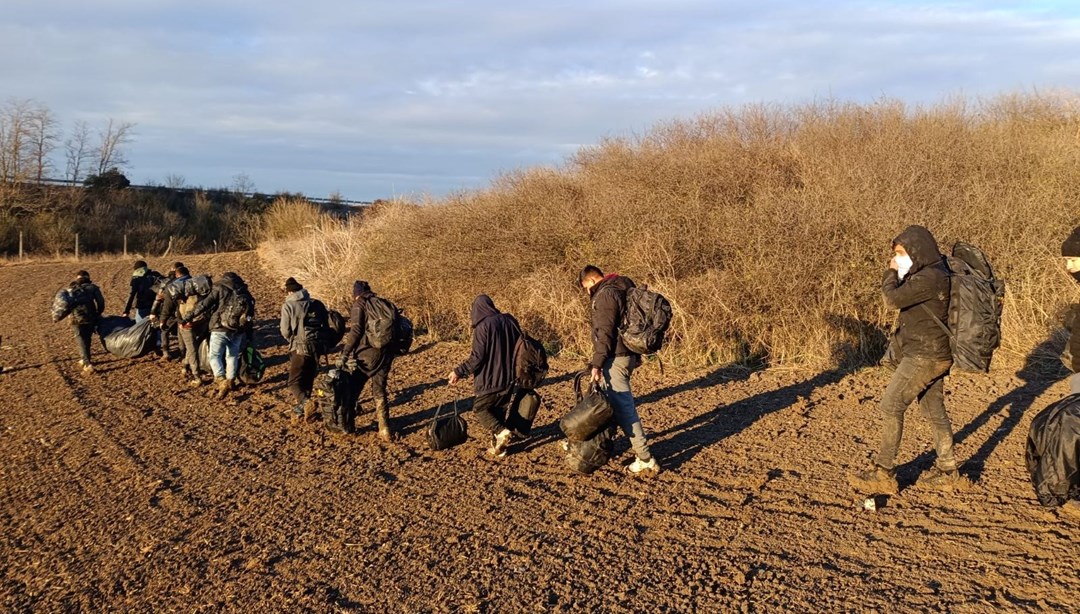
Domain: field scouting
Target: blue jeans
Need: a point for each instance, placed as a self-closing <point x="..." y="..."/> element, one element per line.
<point x="225" y="354"/>
<point x="617" y="372"/>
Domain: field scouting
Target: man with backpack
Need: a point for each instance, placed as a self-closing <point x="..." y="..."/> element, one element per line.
<point x="142" y="295"/>
<point x="232" y="314"/>
<point x="89" y="305"/>
<point x="917" y="284"/>
<point x="491" y="363"/>
<point x="1070" y="252"/>
<point x="368" y="354"/>
<point x="612" y="362"/>
<point x="302" y="321"/>
<point x="165" y="311"/>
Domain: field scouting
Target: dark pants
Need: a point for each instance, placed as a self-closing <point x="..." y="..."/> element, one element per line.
<point x="491" y="409"/>
<point x="921" y="379"/>
<point x="373" y="366"/>
<point x="84" y="334"/>
<point x="191" y="338"/>
<point x="302" y="372"/>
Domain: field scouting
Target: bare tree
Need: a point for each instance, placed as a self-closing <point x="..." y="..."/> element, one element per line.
<point x="242" y="184"/>
<point x="77" y="151"/>
<point x="111" y="145"/>
<point x="14" y="139"/>
<point x="43" y="136"/>
<point x="175" y="181"/>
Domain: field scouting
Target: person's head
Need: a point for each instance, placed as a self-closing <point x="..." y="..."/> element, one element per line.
<point x="590" y="276"/>
<point x="291" y="285"/>
<point x="177" y="266"/>
<point x="360" y="288"/>
<point x="139" y="264"/>
<point x="182" y="271"/>
<point x="82" y="277"/>
<point x="1070" y="253"/>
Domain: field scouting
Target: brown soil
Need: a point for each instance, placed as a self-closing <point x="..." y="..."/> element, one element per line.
<point x="125" y="490"/>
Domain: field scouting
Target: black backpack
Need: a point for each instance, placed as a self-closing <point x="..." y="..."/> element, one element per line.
<point x="175" y="289"/>
<point x="83" y="310"/>
<point x="646" y="319"/>
<point x="237" y="310"/>
<point x="200" y="285"/>
<point x="976" y="299"/>
<point x="315" y="329"/>
<point x="403" y="334"/>
<point x="380" y="314"/>
<point x="530" y="362"/>
<point x="1052" y="453"/>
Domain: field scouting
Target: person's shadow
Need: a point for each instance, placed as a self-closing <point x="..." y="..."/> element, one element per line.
<point x="1042" y="369"/>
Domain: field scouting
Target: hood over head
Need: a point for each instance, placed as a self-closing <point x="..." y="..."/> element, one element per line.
<point x="231" y="281"/>
<point x="920" y="245"/>
<point x="299" y="295"/>
<point x="361" y="289"/>
<point x="482" y="308"/>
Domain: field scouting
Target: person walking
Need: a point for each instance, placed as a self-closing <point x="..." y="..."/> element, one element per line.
<point x="232" y="311"/>
<point x="917" y="284"/>
<point x="363" y="363"/>
<point x="491" y="365"/>
<point x="142" y="295"/>
<point x="297" y="316"/>
<point x="89" y="305"/>
<point x="612" y="364"/>
<point x="1070" y="253"/>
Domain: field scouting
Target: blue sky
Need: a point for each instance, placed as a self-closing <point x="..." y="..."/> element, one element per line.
<point x="413" y="97"/>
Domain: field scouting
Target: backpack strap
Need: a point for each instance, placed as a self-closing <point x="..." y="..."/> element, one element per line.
<point x="938" y="320"/>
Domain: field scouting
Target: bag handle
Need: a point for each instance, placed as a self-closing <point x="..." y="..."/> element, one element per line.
<point x="439" y="409"/>
<point x="577" y="384"/>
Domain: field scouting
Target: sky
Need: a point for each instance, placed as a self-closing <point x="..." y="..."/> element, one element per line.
<point x="425" y="98"/>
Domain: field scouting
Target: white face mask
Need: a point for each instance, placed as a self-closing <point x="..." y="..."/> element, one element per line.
<point x="903" y="265"/>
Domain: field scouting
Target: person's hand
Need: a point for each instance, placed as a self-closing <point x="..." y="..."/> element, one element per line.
<point x="452" y="378"/>
<point x="341" y="363"/>
<point x="597" y="374"/>
<point x="151" y="317"/>
<point x="893" y="265"/>
<point x="127" y="314"/>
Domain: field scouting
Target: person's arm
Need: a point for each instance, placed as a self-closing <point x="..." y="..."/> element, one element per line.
<point x="605" y="328"/>
<point x="357" y="324"/>
<point x="479" y="355"/>
<point x="205" y="304"/>
<point x="132" y="295"/>
<point x="99" y="300"/>
<point x="918" y="288"/>
<point x="286" y="323"/>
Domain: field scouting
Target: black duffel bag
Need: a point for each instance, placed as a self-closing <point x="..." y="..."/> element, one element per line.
<point x="124" y="338"/>
<point x="1052" y="454"/>
<point x="587" y="456"/>
<point x="447" y="431"/>
<point x="592" y="412"/>
<point x="523" y="412"/>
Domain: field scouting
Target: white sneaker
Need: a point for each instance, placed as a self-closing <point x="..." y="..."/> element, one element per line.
<point x="565" y="445"/>
<point x="639" y="466"/>
<point x="500" y="442"/>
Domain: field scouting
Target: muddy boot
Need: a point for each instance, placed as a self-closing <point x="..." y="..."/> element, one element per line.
<point x="937" y="478"/>
<point x="222" y="388"/>
<point x="382" y="417"/>
<point x="876" y="481"/>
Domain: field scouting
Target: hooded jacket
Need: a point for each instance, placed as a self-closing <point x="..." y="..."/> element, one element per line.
<point x="96" y="306"/>
<point x="167" y="309"/>
<point x="142" y="296"/>
<point x="292" y="320"/>
<point x="212" y="303"/>
<point x="608" y="306"/>
<point x="924" y="291"/>
<point x="495" y="335"/>
<point x="368" y="359"/>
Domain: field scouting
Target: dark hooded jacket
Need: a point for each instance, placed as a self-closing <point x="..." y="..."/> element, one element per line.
<point x="924" y="291"/>
<point x="292" y="321"/>
<point x="167" y="309"/>
<point x="608" y="306"/>
<point x="96" y="303"/>
<point x="142" y="295"/>
<point x="495" y="335"/>
<point x="213" y="302"/>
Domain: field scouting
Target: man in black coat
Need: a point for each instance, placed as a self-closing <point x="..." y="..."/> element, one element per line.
<point x="491" y="363"/>
<point x="612" y="363"/>
<point x="363" y="363"/>
<point x="142" y="295"/>
<point x="1070" y="252"/>
<point x="916" y="284"/>
<point x="85" y="316"/>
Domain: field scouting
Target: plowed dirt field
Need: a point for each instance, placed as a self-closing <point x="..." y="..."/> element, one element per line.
<point x="127" y="491"/>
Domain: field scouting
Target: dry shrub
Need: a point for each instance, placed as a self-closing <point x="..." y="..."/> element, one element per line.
<point x="767" y="227"/>
<point x="288" y="218"/>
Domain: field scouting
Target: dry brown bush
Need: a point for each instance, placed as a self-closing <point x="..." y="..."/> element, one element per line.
<point x="767" y="227"/>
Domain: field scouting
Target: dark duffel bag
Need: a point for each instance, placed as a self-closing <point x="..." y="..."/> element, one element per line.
<point x="592" y="412"/>
<point x="1052" y="454"/>
<point x="252" y="366"/>
<point x="447" y="431"/>
<point x="330" y="395"/>
<point x="587" y="456"/>
<point x="522" y="412"/>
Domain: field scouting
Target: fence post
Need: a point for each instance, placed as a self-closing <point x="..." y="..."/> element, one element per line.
<point x="125" y="245"/>
<point x="76" y="247"/>
<point x="20" y="245"/>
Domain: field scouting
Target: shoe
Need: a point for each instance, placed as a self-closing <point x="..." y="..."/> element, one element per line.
<point x="165" y="358"/>
<point x="936" y="478"/>
<point x="876" y="481"/>
<point x="234" y="384"/>
<point x="639" y="466"/>
<point x="88" y="369"/>
<point x="565" y="445"/>
<point x="222" y="389"/>
<point x="499" y="442"/>
<point x="195" y="382"/>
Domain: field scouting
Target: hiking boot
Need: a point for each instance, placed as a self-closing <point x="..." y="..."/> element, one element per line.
<point x="936" y="478"/>
<point x="234" y="384"/>
<point x="639" y="466"/>
<point x="499" y="442"/>
<point x="195" y="382"/>
<point x="876" y="481"/>
<point x="382" y="419"/>
<point x="222" y="389"/>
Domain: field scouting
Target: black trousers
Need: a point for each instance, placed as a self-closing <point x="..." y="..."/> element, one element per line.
<point x="491" y="409"/>
<point x="84" y="334"/>
<point x="302" y="372"/>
